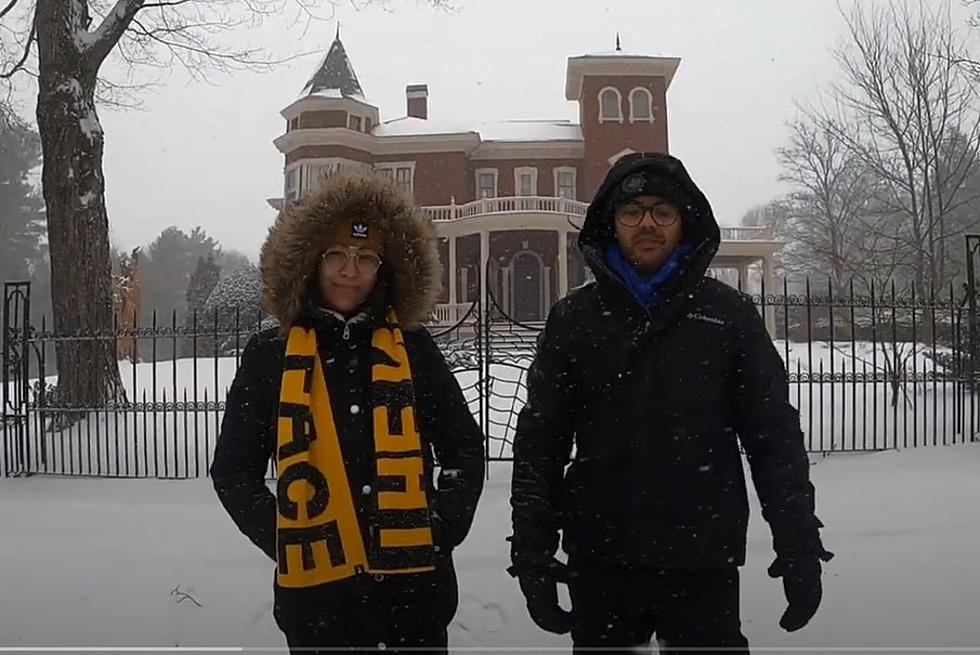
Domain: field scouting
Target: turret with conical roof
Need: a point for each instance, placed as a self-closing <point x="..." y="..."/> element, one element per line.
<point x="328" y="127"/>
<point x="335" y="76"/>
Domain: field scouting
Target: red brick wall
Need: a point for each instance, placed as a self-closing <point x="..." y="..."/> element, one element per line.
<point x="602" y="140"/>
<point x="318" y="152"/>
<point x="418" y="107"/>
<point x="315" y="119"/>
<point x="505" y="174"/>
<point x="438" y="176"/>
<point x="442" y="176"/>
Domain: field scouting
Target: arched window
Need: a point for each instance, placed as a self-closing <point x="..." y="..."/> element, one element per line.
<point x="610" y="105"/>
<point x="641" y="109"/>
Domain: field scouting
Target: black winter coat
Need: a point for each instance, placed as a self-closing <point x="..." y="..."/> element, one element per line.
<point x="655" y="405"/>
<point x="447" y="430"/>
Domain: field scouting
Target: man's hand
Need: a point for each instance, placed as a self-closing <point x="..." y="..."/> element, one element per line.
<point x="539" y="584"/>
<point x="803" y="588"/>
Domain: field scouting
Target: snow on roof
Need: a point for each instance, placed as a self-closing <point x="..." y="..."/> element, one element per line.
<point x="514" y="130"/>
<point x="618" y="53"/>
<point x="328" y="93"/>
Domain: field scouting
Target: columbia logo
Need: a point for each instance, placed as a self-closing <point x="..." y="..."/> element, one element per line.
<point x="707" y="319"/>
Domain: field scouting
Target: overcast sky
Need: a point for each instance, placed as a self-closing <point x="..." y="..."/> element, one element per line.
<point x="202" y="154"/>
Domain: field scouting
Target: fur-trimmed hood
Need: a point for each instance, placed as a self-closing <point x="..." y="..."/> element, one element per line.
<point x="290" y="256"/>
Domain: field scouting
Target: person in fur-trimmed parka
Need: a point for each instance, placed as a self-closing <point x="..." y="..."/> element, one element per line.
<point x="355" y="404"/>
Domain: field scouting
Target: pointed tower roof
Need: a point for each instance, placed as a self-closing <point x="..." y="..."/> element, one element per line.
<point x="335" y="76"/>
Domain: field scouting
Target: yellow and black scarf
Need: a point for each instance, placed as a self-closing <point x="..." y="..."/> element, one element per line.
<point x="319" y="532"/>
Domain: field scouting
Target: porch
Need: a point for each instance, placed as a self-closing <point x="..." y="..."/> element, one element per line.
<point x="525" y="249"/>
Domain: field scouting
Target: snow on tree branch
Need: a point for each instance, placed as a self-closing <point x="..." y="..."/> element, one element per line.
<point x="104" y="38"/>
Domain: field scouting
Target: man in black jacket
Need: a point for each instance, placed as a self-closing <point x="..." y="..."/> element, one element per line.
<point x="655" y="373"/>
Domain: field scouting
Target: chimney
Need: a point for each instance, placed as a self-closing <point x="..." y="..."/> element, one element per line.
<point x="417" y="96"/>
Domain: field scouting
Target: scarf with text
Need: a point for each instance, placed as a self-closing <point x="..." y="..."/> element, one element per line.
<point x="319" y="534"/>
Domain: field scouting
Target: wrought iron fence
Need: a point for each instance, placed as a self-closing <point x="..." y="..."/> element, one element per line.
<point x="867" y="371"/>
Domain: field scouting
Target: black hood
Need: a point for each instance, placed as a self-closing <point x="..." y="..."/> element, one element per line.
<point x="701" y="230"/>
<point x="700" y="227"/>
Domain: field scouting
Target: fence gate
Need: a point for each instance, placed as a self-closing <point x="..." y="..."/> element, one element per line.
<point x="508" y="348"/>
<point x="14" y="396"/>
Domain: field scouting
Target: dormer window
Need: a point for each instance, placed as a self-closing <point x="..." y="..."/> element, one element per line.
<point x="641" y="106"/>
<point x="610" y="105"/>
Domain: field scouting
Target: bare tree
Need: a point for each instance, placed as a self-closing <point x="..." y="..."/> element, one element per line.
<point x="824" y="213"/>
<point x="65" y="44"/>
<point x="907" y="111"/>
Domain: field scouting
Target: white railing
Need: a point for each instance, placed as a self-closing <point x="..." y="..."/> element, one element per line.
<point x="741" y="233"/>
<point x="508" y="205"/>
<point x="551" y="205"/>
<point x="449" y="314"/>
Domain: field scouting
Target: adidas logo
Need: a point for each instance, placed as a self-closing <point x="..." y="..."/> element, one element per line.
<point x="359" y="231"/>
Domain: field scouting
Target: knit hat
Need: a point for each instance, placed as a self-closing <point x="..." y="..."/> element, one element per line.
<point x="650" y="183"/>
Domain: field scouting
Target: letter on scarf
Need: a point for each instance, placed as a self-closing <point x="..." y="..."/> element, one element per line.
<point x="318" y="538"/>
<point x="396" y="433"/>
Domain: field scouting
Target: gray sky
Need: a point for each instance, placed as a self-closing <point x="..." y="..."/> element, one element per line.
<point x="203" y="155"/>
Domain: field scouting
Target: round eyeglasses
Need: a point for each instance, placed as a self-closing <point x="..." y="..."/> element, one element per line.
<point x="366" y="261"/>
<point x="662" y="214"/>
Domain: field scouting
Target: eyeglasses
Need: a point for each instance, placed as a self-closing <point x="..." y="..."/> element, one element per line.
<point x="662" y="214"/>
<point x="366" y="261"/>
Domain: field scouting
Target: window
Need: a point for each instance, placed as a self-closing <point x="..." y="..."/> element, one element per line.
<point x="367" y="124"/>
<point x="315" y="174"/>
<point x="610" y="105"/>
<point x="565" y="183"/>
<point x="486" y="183"/>
<point x="401" y="173"/>
<point x="641" y="110"/>
<point x="291" y="190"/>
<point x="526" y="181"/>
<point x="293" y="124"/>
<point x="354" y="123"/>
<point x="403" y="177"/>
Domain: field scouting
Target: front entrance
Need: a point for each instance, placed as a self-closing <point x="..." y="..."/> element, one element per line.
<point x="527" y="287"/>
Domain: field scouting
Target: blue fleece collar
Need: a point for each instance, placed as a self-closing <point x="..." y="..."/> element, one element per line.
<point x="644" y="287"/>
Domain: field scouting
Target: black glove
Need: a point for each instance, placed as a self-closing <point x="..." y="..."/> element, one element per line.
<point x="448" y="531"/>
<point x="802" y="585"/>
<point x="539" y="584"/>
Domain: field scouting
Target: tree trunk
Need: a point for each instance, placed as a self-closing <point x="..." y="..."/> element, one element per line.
<point x="74" y="192"/>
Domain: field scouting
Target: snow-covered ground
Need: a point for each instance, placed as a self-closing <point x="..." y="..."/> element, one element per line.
<point x="96" y="562"/>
